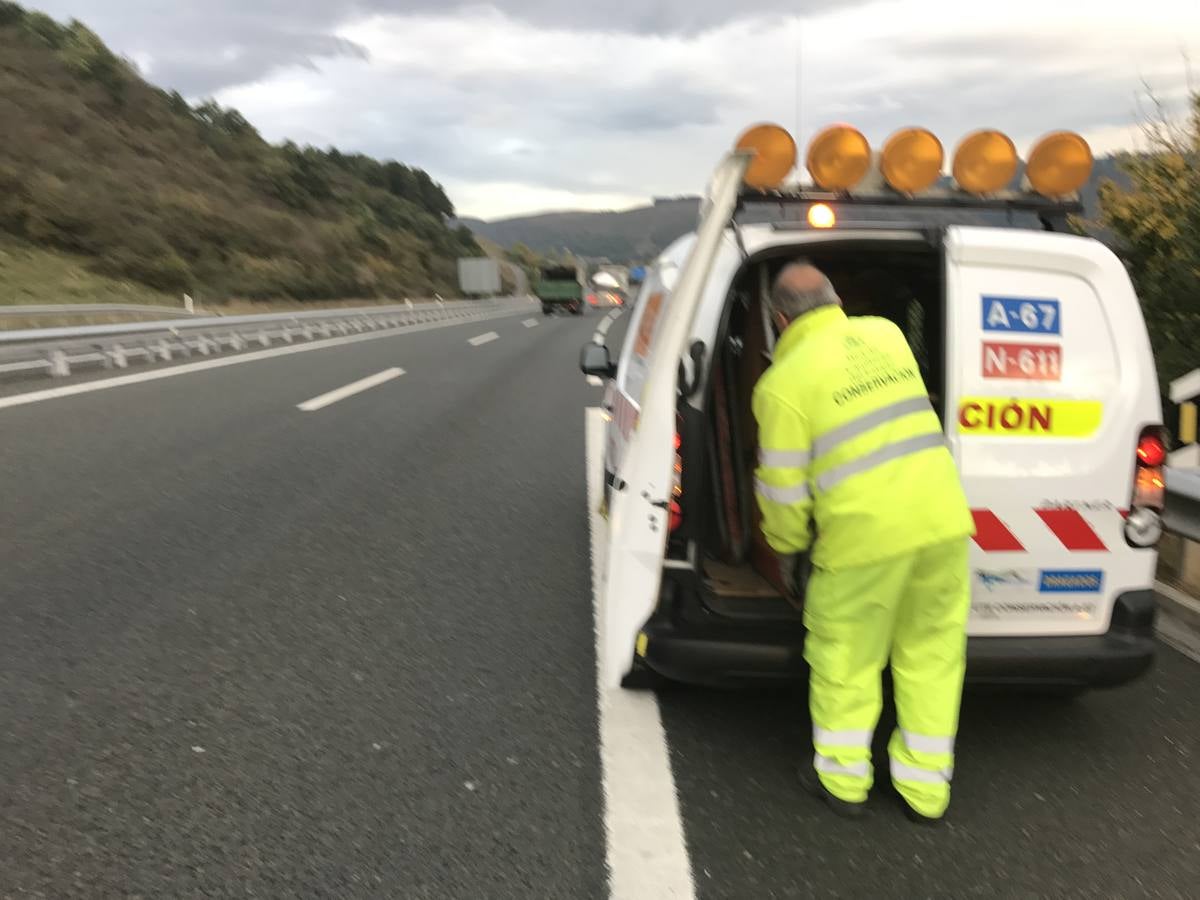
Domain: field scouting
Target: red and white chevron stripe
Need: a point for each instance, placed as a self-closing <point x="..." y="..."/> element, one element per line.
<point x="1073" y="531"/>
<point x="624" y="413"/>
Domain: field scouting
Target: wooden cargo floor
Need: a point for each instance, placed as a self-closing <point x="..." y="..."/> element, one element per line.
<point x="737" y="581"/>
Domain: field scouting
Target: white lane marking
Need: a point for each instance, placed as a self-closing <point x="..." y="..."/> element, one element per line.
<point x="481" y="339"/>
<point x="530" y="323"/>
<point x="595" y="381"/>
<point x="646" y="851"/>
<point x="104" y="384"/>
<point x="601" y="333"/>
<point x="349" y="390"/>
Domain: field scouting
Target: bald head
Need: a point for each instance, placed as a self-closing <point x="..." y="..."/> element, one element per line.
<point x="800" y="288"/>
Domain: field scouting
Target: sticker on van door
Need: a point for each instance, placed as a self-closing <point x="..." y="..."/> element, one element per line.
<point x="1028" y="362"/>
<point x="1013" y="417"/>
<point x="1070" y="581"/>
<point x="1027" y="315"/>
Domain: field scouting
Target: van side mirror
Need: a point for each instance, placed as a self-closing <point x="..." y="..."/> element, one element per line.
<point x="594" y="360"/>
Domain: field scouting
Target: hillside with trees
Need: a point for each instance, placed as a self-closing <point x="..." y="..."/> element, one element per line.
<point x="141" y="185"/>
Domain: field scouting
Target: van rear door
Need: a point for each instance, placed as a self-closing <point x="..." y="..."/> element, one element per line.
<point x="1051" y="380"/>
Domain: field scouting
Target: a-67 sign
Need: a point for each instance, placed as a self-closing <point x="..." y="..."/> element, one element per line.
<point x="1031" y="362"/>
<point x="1030" y="315"/>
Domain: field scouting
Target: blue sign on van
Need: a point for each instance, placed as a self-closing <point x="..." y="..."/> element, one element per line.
<point x="1024" y="315"/>
<point x="1070" y="581"/>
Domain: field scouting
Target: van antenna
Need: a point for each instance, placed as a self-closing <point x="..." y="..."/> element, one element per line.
<point x="799" y="81"/>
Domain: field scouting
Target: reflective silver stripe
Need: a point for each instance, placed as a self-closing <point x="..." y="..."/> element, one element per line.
<point x="783" y="459"/>
<point x="838" y="474"/>
<point x="786" y="495"/>
<point x="832" y="767"/>
<point x="901" y="772"/>
<point x="841" y="738"/>
<point x="865" y="423"/>
<point x="923" y="743"/>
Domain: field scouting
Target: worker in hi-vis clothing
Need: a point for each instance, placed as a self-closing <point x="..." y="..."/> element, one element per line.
<point x="853" y="466"/>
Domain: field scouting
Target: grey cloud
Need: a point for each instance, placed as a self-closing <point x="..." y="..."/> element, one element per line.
<point x="230" y="42"/>
<point x="1023" y="101"/>
<point x="511" y="126"/>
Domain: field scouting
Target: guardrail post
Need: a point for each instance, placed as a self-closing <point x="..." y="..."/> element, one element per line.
<point x="1184" y="392"/>
<point x="59" y="366"/>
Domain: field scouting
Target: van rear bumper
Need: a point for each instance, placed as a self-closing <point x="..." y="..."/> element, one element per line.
<point x="1116" y="657"/>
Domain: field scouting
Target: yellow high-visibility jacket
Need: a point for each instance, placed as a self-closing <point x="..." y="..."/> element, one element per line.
<point x="849" y="442"/>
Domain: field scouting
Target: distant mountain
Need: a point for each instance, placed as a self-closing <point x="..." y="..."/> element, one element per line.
<point x="640" y="233"/>
<point x="620" y="236"/>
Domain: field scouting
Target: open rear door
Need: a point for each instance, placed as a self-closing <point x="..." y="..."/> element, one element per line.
<point x="638" y="519"/>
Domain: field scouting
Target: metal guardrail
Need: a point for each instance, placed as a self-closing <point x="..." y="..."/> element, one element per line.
<point x="55" y="351"/>
<point x="91" y="309"/>
<point x="1182" y="513"/>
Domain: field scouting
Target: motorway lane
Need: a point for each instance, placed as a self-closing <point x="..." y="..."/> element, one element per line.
<point x="1096" y="797"/>
<point x="255" y="651"/>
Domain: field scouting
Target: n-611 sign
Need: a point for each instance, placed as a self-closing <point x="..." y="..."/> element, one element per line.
<point x="1022" y="314"/>
<point x="1032" y="362"/>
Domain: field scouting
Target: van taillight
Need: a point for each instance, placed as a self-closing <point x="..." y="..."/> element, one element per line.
<point x="1143" y="526"/>
<point x="1151" y="451"/>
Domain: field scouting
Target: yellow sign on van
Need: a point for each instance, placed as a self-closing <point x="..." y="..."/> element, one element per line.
<point x="1012" y="417"/>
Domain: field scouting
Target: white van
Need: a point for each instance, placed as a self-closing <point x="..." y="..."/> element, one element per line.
<point x="1033" y="348"/>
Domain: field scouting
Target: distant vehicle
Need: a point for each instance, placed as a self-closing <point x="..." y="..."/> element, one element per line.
<point x="637" y="275"/>
<point x="1032" y="349"/>
<point x="479" y="277"/>
<point x="560" y="287"/>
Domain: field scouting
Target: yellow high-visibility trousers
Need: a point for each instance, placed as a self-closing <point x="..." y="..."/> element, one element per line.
<point x="912" y="610"/>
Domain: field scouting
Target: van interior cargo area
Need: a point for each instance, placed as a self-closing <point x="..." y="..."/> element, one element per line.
<point x="900" y="280"/>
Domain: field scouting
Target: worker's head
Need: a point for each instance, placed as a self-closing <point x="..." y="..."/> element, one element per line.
<point x="800" y="288"/>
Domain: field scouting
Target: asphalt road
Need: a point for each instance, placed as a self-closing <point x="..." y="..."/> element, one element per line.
<point x="255" y="651"/>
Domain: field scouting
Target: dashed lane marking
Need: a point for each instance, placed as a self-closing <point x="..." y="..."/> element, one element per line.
<point x="530" y="323"/>
<point x="481" y="339"/>
<point x="349" y="390"/>
<point x="646" y="851"/>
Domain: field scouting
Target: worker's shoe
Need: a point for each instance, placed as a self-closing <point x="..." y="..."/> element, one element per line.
<point x="917" y="819"/>
<point x="843" y="808"/>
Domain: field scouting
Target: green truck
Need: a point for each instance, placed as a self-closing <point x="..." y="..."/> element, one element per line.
<point x="560" y="287"/>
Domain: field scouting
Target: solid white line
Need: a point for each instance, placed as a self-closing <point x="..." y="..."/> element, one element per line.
<point x="349" y="390"/>
<point x="104" y="384"/>
<point x="481" y="339"/>
<point x="646" y="851"/>
<point x="530" y="323"/>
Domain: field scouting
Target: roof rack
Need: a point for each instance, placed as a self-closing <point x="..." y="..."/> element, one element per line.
<point x="1051" y="213"/>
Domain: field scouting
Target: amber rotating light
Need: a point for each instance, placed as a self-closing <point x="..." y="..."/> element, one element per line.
<point x="984" y="162"/>
<point x="1059" y="164"/>
<point x="838" y="158"/>
<point x="912" y="160"/>
<point x="774" y="155"/>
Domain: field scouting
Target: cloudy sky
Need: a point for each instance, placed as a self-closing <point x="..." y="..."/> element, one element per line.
<point x="523" y="105"/>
